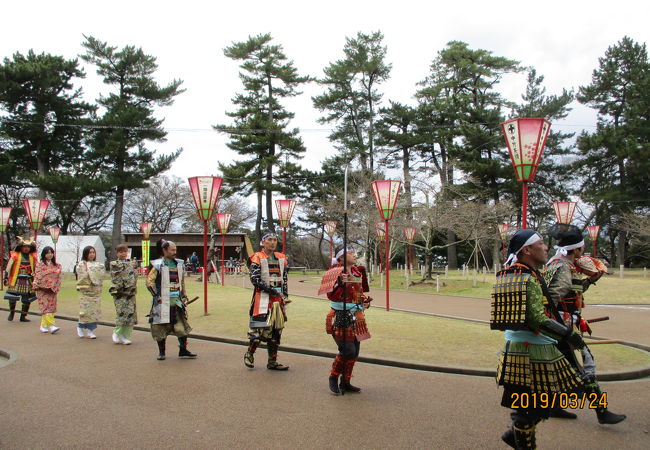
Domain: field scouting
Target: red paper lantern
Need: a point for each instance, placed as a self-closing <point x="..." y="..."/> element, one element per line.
<point x="146" y="229"/>
<point x="386" y="193"/>
<point x="285" y="211"/>
<point x="223" y="222"/>
<point x="526" y="138"/>
<point x="379" y="229"/>
<point x="35" y="209"/>
<point x="5" y="215"/>
<point x="330" y="228"/>
<point x="504" y="229"/>
<point x="205" y="192"/>
<point x="594" y="231"/>
<point x="409" y="233"/>
<point x="54" y="234"/>
<point x="564" y="212"/>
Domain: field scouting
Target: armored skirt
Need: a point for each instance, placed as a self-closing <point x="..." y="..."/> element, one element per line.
<point x="526" y="369"/>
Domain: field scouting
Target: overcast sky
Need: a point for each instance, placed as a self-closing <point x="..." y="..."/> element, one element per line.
<point x="561" y="39"/>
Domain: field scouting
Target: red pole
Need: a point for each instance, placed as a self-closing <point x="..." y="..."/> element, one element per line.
<point x="594" y="254"/>
<point x="284" y="239"/>
<point x="223" y="239"/>
<point x="524" y="205"/>
<point x="2" y="261"/>
<point x="36" y="239"/>
<point x="410" y="261"/>
<point x="205" y="268"/>
<point x="386" y="261"/>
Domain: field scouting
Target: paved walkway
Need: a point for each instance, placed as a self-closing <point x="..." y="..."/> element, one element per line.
<point x="627" y="322"/>
<point x="66" y="392"/>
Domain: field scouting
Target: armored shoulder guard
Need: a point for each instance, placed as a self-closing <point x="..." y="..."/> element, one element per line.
<point x="508" y="307"/>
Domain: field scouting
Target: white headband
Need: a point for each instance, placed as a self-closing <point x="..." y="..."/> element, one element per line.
<point x="563" y="251"/>
<point x="340" y="253"/>
<point x="512" y="257"/>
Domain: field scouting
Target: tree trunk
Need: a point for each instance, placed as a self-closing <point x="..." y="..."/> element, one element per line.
<point x="406" y="171"/>
<point x="117" y="220"/>
<point x="620" y="251"/>
<point x="452" y="251"/>
<point x="258" y="219"/>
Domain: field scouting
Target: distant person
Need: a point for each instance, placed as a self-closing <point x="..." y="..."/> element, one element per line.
<point x="168" y="315"/>
<point x="47" y="283"/>
<point x="194" y="261"/>
<point x="19" y="276"/>
<point x="89" y="285"/>
<point x="125" y="280"/>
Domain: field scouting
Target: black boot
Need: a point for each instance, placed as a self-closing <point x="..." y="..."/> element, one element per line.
<point x="23" y="313"/>
<point x="334" y="384"/>
<point x="347" y="387"/>
<point x="161" y="350"/>
<point x="524" y="436"/>
<point x="606" y="417"/>
<point x="272" y="364"/>
<point x="509" y="438"/>
<point x="559" y="413"/>
<point x="12" y="311"/>
<point x="183" y="352"/>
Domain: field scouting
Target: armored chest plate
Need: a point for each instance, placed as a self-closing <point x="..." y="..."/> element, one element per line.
<point x="508" y="307"/>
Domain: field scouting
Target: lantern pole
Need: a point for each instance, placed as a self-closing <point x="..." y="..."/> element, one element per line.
<point x="524" y="205"/>
<point x="2" y="260"/>
<point x="205" y="191"/>
<point x="284" y="239"/>
<point x="387" y="266"/>
<point x="5" y="214"/>
<point x="223" y="258"/>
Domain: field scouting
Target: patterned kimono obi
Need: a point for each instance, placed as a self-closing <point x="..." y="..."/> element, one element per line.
<point x="89" y="285"/>
<point x="346" y="320"/>
<point x="530" y="361"/>
<point x="47" y="282"/>
<point x="21" y="275"/>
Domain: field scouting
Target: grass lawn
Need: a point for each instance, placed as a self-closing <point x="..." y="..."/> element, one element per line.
<point x="396" y="335"/>
<point x="610" y="289"/>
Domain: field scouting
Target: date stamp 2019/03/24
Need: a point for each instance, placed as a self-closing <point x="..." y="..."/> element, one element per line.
<point x="562" y="400"/>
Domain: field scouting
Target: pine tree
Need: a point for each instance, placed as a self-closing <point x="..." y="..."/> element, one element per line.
<point x="352" y="98"/>
<point x="128" y="120"/>
<point x="617" y="155"/>
<point x="44" y="130"/>
<point x="260" y="129"/>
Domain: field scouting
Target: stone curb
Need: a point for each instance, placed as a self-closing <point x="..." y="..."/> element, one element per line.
<point x="9" y="355"/>
<point x="472" y="371"/>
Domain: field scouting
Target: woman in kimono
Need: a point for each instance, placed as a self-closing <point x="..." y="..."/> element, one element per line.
<point x="46" y="284"/>
<point x="89" y="285"/>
